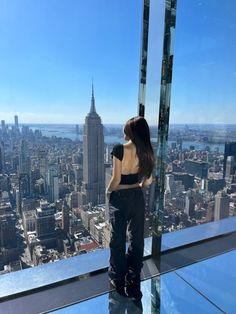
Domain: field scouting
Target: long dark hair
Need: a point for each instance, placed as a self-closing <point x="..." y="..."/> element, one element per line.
<point x="137" y="130"/>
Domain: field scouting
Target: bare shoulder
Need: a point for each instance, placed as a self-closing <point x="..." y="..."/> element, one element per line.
<point x="129" y="146"/>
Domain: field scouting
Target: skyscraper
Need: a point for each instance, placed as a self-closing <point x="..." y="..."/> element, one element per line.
<point x="45" y="220"/>
<point x="24" y="184"/>
<point x="2" y="162"/>
<point x="16" y="122"/>
<point x="65" y="217"/>
<point x="198" y="168"/>
<point x="221" y="205"/>
<point x="3" y="126"/>
<point x="93" y="159"/>
<point x="170" y="184"/>
<point x="8" y="231"/>
<point x="230" y="150"/>
<point x="189" y="203"/>
<point x="42" y="156"/>
<point x="24" y="164"/>
<point x="229" y="170"/>
<point x="53" y="183"/>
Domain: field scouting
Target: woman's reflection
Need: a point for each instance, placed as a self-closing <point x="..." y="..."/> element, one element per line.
<point x="119" y="304"/>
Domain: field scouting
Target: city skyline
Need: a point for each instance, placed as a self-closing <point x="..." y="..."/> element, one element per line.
<point x="53" y="187"/>
<point x="11" y="123"/>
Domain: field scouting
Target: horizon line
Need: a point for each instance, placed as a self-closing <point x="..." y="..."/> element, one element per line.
<point x="116" y="123"/>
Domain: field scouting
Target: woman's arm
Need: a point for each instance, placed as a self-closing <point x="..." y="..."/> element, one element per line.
<point x="146" y="182"/>
<point x="116" y="175"/>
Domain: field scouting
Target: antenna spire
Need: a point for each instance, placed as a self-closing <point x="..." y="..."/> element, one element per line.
<point x="92" y="108"/>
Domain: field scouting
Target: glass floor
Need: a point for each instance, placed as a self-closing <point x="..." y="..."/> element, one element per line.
<point x="208" y="286"/>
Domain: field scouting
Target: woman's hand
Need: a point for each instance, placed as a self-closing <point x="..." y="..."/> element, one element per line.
<point x="140" y="184"/>
<point x="108" y="194"/>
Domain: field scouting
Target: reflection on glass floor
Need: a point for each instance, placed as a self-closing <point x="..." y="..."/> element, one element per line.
<point x="205" y="287"/>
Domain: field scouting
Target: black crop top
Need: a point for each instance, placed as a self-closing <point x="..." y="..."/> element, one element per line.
<point x="118" y="152"/>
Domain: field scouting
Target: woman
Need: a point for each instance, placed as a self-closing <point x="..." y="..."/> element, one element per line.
<point x="133" y="164"/>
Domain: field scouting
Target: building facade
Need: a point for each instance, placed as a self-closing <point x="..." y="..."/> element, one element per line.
<point x="93" y="186"/>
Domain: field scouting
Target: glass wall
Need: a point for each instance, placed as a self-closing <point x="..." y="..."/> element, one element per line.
<point x="201" y="153"/>
<point x="153" y="79"/>
<point x="69" y="81"/>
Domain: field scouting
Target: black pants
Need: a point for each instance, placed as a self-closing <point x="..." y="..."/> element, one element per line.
<point x="126" y="210"/>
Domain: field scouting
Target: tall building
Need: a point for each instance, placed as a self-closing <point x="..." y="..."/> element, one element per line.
<point x="186" y="178"/>
<point x="42" y="156"/>
<point x="221" y="205"/>
<point x="77" y="132"/>
<point x="108" y="154"/>
<point x="45" y="220"/>
<point x="93" y="159"/>
<point x="24" y="163"/>
<point x="197" y="168"/>
<point x="179" y="143"/>
<point x="229" y="170"/>
<point x="2" y="159"/>
<point x="230" y="150"/>
<point x="170" y="184"/>
<point x="3" y="125"/>
<point x="18" y="201"/>
<point x="53" y="183"/>
<point x="25" y="130"/>
<point x="210" y="211"/>
<point x="65" y="217"/>
<point x="8" y="231"/>
<point x="215" y="185"/>
<point x="8" y="238"/>
<point x="5" y="183"/>
<point x="189" y="203"/>
<point x="73" y="200"/>
<point x="24" y="185"/>
<point x="16" y="121"/>
<point x="29" y="221"/>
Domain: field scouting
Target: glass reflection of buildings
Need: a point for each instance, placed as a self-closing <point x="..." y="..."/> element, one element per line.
<point x="200" y="183"/>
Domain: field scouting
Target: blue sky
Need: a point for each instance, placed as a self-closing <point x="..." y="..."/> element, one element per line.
<point x="204" y="73"/>
<point x="51" y="49"/>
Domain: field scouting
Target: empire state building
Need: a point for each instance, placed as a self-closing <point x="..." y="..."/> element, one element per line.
<point x="93" y="158"/>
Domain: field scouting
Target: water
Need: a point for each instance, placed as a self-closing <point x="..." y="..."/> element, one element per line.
<point x="202" y="146"/>
<point x="68" y="131"/>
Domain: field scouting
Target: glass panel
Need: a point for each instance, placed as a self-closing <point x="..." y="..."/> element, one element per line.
<point x="68" y="83"/>
<point x="171" y="294"/>
<point x="198" y="233"/>
<point x="209" y="277"/>
<point x="174" y="296"/>
<point x="161" y="75"/>
<point x="200" y="162"/>
<point x="51" y="273"/>
<point x="152" y="93"/>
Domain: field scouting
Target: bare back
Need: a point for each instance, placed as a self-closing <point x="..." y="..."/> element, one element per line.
<point x="130" y="162"/>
